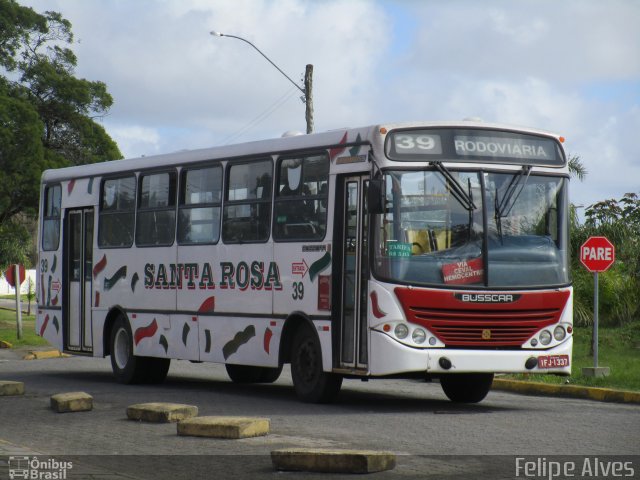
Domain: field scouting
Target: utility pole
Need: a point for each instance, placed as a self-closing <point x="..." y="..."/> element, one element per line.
<point x="308" y="97"/>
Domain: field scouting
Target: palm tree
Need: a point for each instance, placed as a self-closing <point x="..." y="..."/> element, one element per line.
<point x="576" y="168"/>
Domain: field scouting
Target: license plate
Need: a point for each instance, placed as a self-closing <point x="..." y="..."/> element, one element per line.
<point x="553" y="361"/>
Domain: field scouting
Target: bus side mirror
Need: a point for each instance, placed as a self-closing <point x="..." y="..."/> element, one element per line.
<point x="375" y="198"/>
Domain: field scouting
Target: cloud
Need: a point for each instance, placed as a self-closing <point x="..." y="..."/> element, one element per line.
<point x="135" y="140"/>
<point x="564" y="42"/>
<point x="163" y="68"/>
<point x="571" y="67"/>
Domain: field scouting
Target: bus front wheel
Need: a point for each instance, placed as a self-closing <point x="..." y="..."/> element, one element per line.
<point x="311" y="383"/>
<point x="466" y="387"/>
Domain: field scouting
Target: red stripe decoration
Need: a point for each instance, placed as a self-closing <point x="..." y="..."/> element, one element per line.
<point x="44" y="324"/>
<point x="98" y="267"/>
<point x="267" y="339"/>
<point x="97" y="304"/>
<point x="209" y="305"/>
<point x="334" y="152"/>
<point x="375" y="308"/>
<point x="145" y="332"/>
<point x="70" y="186"/>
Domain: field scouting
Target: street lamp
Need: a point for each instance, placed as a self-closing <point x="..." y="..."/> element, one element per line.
<point x="306" y="91"/>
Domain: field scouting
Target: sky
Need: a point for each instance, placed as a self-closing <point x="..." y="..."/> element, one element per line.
<point x="568" y="66"/>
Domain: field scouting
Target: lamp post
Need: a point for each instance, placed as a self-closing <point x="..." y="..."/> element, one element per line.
<point x="307" y="97"/>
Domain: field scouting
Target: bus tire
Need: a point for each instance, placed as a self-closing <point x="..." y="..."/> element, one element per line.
<point x="251" y="374"/>
<point x="466" y="387"/>
<point x="311" y="383"/>
<point x="270" y="375"/>
<point x="156" y="369"/>
<point x="127" y="368"/>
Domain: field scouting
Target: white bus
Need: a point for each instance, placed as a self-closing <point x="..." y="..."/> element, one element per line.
<point x="433" y="250"/>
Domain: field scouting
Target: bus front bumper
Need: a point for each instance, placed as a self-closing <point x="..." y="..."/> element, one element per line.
<point x="389" y="357"/>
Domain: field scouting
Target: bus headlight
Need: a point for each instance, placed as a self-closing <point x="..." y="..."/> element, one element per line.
<point x="545" y="337"/>
<point x="401" y="330"/>
<point x="559" y="333"/>
<point x="419" y="335"/>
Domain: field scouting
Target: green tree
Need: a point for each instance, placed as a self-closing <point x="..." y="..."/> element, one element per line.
<point x="619" y="221"/>
<point x="47" y="114"/>
<point x="577" y="168"/>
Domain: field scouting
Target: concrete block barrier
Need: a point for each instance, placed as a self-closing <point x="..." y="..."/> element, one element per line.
<point x="158" y="412"/>
<point x="8" y="387"/>
<point x="332" y="461"/>
<point x="71" y="402"/>
<point x="224" y="427"/>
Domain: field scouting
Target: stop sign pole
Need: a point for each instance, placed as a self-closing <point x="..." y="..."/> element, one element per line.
<point x="597" y="254"/>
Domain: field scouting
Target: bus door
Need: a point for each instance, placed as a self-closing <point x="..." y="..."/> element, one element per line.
<point x="352" y="271"/>
<point x="78" y="252"/>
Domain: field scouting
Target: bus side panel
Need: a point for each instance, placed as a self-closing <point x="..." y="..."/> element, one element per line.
<point x="151" y="334"/>
<point x="125" y="277"/>
<point x="224" y="284"/>
<point x="80" y="192"/>
<point x="49" y="292"/>
<point x="50" y="296"/>
<point x="306" y="280"/>
<point x="238" y="340"/>
<point x="98" y="318"/>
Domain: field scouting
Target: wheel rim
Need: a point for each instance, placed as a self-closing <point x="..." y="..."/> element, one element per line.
<point x="121" y="348"/>
<point x="307" y="362"/>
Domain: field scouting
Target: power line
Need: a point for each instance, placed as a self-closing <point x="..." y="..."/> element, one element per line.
<point x="261" y="117"/>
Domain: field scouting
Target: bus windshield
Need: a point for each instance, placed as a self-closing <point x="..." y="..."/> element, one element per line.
<point x="473" y="229"/>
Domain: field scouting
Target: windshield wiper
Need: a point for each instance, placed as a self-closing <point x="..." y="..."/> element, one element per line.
<point x="457" y="190"/>
<point x="504" y="206"/>
<point x="518" y="180"/>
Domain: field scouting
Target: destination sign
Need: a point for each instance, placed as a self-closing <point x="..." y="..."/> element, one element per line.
<point x="471" y="145"/>
<point x="504" y="147"/>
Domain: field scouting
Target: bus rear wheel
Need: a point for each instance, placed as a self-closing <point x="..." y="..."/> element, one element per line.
<point x="250" y="374"/>
<point x="129" y="368"/>
<point x="466" y="387"/>
<point x="311" y="383"/>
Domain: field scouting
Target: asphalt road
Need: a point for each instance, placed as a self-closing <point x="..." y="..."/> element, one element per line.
<point x="432" y="437"/>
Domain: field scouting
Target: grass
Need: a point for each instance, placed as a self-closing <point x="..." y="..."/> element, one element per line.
<point x="8" y="330"/>
<point x="23" y="298"/>
<point x="618" y="349"/>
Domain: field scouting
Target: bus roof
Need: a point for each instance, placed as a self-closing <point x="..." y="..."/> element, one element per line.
<point x="342" y="136"/>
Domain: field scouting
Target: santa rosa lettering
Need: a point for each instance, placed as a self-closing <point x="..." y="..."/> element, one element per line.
<point x="202" y="276"/>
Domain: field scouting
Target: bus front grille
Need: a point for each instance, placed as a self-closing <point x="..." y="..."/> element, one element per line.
<point x="493" y="324"/>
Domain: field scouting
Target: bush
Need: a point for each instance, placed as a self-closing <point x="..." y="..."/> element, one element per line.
<point x="619" y="287"/>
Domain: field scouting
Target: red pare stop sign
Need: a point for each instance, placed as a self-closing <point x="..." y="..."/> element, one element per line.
<point x="597" y="254"/>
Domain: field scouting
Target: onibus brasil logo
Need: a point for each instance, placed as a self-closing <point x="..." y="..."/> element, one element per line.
<point x="23" y="467"/>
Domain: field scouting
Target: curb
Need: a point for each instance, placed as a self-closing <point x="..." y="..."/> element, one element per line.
<point x="572" y="391"/>
<point x="39" y="355"/>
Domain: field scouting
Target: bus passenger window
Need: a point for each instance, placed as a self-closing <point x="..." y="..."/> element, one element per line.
<point x="156" y="219"/>
<point x="117" y="212"/>
<point x="51" y="221"/>
<point x="301" y="198"/>
<point x="199" y="210"/>
<point x="247" y="209"/>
